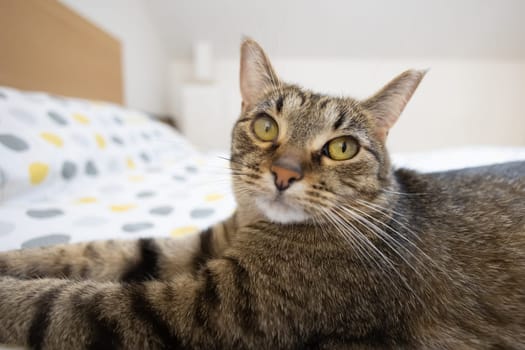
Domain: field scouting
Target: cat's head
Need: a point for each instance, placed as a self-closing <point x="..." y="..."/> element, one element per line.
<point x="298" y="155"/>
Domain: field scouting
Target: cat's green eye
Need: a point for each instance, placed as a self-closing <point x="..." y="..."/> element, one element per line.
<point x="265" y="128"/>
<point x="341" y="148"/>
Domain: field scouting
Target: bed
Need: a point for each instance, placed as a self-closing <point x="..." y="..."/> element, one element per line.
<point x="85" y="168"/>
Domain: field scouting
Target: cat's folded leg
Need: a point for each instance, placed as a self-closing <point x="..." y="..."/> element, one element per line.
<point x="211" y="309"/>
<point x="125" y="260"/>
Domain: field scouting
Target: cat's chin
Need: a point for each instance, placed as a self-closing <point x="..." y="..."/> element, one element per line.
<point x="279" y="212"/>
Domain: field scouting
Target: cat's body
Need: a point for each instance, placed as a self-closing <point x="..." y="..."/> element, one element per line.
<point x="329" y="248"/>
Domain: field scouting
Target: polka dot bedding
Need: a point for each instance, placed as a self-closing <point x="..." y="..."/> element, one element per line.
<point x="75" y="170"/>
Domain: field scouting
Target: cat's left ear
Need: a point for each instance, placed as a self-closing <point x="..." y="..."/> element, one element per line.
<point x="257" y="75"/>
<point x="387" y="104"/>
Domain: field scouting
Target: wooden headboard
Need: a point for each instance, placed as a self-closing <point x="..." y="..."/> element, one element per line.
<point x="45" y="46"/>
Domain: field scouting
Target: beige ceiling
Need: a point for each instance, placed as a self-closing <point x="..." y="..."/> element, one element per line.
<point x="487" y="29"/>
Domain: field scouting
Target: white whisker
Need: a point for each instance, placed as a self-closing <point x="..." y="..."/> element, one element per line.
<point x="376" y="232"/>
<point x="386" y="238"/>
<point x="405" y="193"/>
<point x="340" y="223"/>
<point x="382" y="210"/>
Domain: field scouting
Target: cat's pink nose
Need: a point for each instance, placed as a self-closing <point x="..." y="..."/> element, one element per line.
<point x="285" y="175"/>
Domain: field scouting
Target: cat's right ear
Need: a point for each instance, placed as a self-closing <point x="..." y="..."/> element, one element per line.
<point x="389" y="102"/>
<point x="257" y="75"/>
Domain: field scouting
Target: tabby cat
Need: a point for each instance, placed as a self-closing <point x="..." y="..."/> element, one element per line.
<point x="330" y="248"/>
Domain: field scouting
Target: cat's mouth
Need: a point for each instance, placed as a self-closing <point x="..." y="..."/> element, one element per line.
<point x="281" y="210"/>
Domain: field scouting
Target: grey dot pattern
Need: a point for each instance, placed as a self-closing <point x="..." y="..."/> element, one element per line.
<point x="145" y="194"/>
<point x="191" y="169"/>
<point x="13" y="142"/>
<point x="57" y="118"/>
<point x="47" y="240"/>
<point x="22" y="115"/>
<point x="90" y="168"/>
<point x="3" y="178"/>
<point x="44" y="213"/>
<point x="117" y="140"/>
<point x="69" y="170"/>
<point x="145" y="157"/>
<point x="137" y="226"/>
<point x="162" y="210"/>
<point x="201" y="213"/>
<point x="6" y="227"/>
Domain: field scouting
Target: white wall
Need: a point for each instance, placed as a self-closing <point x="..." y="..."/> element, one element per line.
<point x="458" y="102"/>
<point x="145" y="59"/>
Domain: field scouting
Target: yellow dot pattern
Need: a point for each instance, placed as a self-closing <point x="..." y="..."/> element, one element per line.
<point x="81" y="118"/>
<point x="52" y="139"/>
<point x="118" y="208"/>
<point x="101" y="142"/>
<point x="184" y="230"/>
<point x="130" y="163"/>
<point x="136" y="178"/>
<point x="86" y="200"/>
<point x="38" y="172"/>
<point x="213" y="197"/>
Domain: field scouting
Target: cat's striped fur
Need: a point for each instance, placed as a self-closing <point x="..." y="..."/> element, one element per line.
<point x="357" y="256"/>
